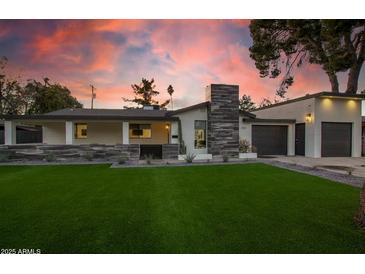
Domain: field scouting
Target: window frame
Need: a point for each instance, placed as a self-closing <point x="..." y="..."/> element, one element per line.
<point x="76" y="131"/>
<point x="205" y="134"/>
<point x="139" y="136"/>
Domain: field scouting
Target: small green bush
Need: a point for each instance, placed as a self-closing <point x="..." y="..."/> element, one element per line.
<point x="4" y="156"/>
<point x="148" y="158"/>
<point x="89" y="156"/>
<point x="50" y="157"/>
<point x="225" y="158"/>
<point x="189" y="158"/>
<point x="244" y="146"/>
<point x="123" y="159"/>
<point x="182" y="148"/>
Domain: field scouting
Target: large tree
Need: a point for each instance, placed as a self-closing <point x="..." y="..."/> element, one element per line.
<point x="47" y="97"/>
<point x="12" y="96"/>
<point x="144" y="94"/>
<point x="336" y="45"/>
<point x="246" y="103"/>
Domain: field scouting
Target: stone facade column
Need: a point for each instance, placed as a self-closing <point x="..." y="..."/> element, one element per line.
<point x="223" y="120"/>
<point x="69" y="126"/>
<point x="125" y="133"/>
<point x="9" y="133"/>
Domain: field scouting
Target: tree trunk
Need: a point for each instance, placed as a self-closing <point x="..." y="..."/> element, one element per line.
<point x="360" y="217"/>
<point x="334" y="81"/>
<point x="353" y="79"/>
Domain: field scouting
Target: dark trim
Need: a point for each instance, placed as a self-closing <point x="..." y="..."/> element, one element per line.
<point x="84" y="117"/>
<point x="316" y="95"/>
<point x="259" y="120"/>
<point x="193" y="107"/>
<point x="247" y="114"/>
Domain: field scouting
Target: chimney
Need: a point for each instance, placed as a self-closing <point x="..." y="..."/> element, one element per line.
<point x="223" y="119"/>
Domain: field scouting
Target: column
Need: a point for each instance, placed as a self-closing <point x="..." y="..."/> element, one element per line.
<point x="10" y="132"/>
<point x="125" y="132"/>
<point x="174" y="132"/>
<point x="69" y="132"/>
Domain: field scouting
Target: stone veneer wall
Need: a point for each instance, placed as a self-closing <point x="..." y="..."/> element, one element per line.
<point x="170" y="151"/>
<point x="79" y="152"/>
<point x="223" y="120"/>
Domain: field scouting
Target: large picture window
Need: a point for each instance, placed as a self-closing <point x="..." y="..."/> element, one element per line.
<point x="200" y="127"/>
<point x="140" y="131"/>
<point x="81" y="131"/>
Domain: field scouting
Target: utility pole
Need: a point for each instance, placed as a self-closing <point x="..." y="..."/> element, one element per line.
<point x="93" y="96"/>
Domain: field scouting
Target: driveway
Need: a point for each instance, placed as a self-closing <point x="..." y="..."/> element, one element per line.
<point x="328" y="163"/>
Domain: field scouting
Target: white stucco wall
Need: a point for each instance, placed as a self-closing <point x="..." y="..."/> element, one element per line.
<point x="187" y="125"/>
<point x="339" y="110"/>
<point x="321" y="110"/>
<point x="54" y="133"/>
<point x="109" y="133"/>
<point x="159" y="133"/>
<point x="245" y="132"/>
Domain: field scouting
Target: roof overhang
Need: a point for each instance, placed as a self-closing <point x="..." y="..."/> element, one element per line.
<point x="83" y="117"/>
<point x="273" y="121"/>
<point x="324" y="94"/>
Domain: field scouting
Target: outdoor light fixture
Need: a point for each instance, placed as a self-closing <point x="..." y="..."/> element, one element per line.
<point x="167" y="126"/>
<point x="308" y="118"/>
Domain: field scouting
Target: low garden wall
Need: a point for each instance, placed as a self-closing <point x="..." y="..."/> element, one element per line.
<point x="40" y="152"/>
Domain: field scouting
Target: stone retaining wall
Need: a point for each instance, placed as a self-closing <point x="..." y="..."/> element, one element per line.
<point x="170" y="151"/>
<point x="79" y="152"/>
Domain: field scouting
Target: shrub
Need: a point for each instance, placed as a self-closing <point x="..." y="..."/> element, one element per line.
<point x="244" y="146"/>
<point x="225" y="158"/>
<point x="182" y="148"/>
<point x="148" y="158"/>
<point x="189" y="157"/>
<point x="50" y="157"/>
<point x="89" y="155"/>
<point x="4" y="156"/>
<point x="360" y="216"/>
<point x="123" y="159"/>
<point x="253" y="149"/>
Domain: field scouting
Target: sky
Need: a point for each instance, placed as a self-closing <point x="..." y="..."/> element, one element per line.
<point x="113" y="54"/>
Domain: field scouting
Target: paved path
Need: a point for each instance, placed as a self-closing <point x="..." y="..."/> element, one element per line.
<point x="352" y="180"/>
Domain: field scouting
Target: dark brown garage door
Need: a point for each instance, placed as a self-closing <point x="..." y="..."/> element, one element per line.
<point x="336" y="139"/>
<point x="270" y="140"/>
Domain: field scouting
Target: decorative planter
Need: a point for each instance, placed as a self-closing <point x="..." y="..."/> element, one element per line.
<point x="181" y="157"/>
<point x="248" y="155"/>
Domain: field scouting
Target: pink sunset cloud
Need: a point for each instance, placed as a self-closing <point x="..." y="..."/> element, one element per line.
<point x="113" y="54"/>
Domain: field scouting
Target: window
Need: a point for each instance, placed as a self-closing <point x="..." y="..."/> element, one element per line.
<point x="140" y="131"/>
<point x="81" y="131"/>
<point x="200" y="134"/>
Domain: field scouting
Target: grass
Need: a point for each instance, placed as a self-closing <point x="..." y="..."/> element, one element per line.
<point x="252" y="208"/>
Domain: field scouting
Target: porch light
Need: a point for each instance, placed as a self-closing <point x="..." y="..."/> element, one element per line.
<point x="167" y="126"/>
<point x="308" y="118"/>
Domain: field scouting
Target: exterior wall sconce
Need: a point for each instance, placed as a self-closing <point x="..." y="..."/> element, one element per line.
<point x="308" y="118"/>
<point x="167" y="127"/>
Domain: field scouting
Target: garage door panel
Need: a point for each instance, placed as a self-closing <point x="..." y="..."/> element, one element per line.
<point x="336" y="139"/>
<point x="270" y="139"/>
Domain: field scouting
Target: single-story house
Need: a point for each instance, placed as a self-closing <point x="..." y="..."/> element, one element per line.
<point x="316" y="125"/>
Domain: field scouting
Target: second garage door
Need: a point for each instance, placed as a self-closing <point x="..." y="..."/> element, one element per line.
<point x="336" y="139"/>
<point x="270" y="139"/>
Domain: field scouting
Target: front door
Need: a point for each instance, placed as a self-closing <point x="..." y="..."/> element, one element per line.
<point x="300" y="139"/>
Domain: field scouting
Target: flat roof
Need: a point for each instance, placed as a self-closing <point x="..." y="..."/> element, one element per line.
<point x="316" y="95"/>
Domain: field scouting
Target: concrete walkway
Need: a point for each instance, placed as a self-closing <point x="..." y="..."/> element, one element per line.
<point x="334" y="164"/>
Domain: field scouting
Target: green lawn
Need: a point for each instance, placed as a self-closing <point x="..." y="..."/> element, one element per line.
<point x="252" y="208"/>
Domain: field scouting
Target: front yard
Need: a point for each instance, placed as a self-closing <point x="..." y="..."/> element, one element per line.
<point x="252" y="208"/>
